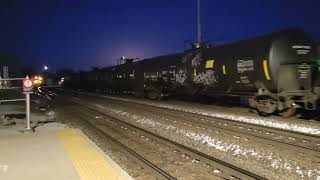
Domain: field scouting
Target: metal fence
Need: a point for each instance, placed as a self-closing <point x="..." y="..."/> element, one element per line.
<point x="11" y="91"/>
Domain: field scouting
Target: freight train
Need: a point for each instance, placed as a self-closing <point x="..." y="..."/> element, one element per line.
<point x="277" y="73"/>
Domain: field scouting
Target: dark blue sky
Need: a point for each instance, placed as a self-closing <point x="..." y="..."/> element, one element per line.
<point x="85" y="33"/>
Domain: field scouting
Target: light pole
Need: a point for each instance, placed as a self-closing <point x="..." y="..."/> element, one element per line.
<point x="199" y="21"/>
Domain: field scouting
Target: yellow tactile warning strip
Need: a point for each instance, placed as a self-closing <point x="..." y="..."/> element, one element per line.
<point x="88" y="162"/>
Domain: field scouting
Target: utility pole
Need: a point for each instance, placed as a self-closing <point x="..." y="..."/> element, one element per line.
<point x="199" y="21"/>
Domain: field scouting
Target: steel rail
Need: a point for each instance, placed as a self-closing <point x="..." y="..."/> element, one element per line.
<point x="313" y="148"/>
<point x="147" y="164"/>
<point x="308" y="142"/>
<point x="234" y="170"/>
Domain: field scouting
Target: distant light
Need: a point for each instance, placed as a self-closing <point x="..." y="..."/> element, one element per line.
<point x="37" y="80"/>
<point x="45" y="67"/>
<point x="123" y="57"/>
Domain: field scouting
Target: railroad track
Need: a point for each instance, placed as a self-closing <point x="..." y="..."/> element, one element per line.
<point x="149" y="166"/>
<point x="301" y="143"/>
<point x="217" y="167"/>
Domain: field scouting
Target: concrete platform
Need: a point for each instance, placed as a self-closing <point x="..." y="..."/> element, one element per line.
<point x="53" y="152"/>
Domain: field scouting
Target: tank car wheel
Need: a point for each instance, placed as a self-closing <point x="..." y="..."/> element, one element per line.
<point x="265" y="107"/>
<point x="154" y="95"/>
<point x="288" y="112"/>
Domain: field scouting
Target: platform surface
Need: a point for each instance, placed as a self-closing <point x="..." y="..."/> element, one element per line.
<point x="54" y="152"/>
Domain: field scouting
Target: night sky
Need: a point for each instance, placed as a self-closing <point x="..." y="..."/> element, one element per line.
<point x="83" y="33"/>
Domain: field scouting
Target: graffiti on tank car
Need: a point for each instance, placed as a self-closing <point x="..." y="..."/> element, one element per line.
<point x="181" y="77"/>
<point x="195" y="59"/>
<point x="206" y="78"/>
<point x="195" y="62"/>
<point x="245" y="66"/>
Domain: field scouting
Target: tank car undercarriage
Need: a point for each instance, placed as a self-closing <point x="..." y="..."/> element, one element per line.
<point x="285" y="103"/>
